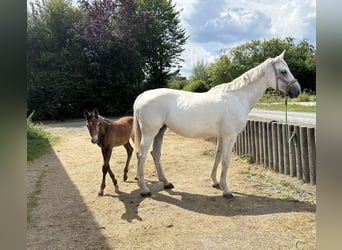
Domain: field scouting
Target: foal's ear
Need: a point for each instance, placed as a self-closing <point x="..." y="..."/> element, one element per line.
<point x="96" y="112"/>
<point x="86" y="114"/>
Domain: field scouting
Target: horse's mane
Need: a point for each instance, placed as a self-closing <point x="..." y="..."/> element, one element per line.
<point x="105" y="119"/>
<point x="245" y="79"/>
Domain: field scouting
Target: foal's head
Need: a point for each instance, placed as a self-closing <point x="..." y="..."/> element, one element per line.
<point x="94" y="124"/>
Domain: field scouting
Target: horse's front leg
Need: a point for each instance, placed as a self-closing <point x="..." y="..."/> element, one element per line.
<point x="227" y="146"/>
<point x="106" y="153"/>
<point x="129" y="150"/>
<point x="216" y="163"/>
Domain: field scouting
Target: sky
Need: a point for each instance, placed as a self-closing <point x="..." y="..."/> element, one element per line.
<point x="214" y="25"/>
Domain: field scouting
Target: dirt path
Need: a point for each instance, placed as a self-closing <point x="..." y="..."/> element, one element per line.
<point x="269" y="211"/>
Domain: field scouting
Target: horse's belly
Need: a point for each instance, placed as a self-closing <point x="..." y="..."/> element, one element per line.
<point x="194" y="130"/>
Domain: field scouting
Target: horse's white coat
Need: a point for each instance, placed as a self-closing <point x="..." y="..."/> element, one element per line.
<point x="221" y="112"/>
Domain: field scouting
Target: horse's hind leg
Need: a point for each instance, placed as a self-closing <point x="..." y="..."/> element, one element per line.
<point x="156" y="153"/>
<point x="145" y="143"/>
<point x="216" y="163"/>
<point x="129" y="150"/>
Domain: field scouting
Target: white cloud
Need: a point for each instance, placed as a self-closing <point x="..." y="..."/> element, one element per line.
<point x="228" y="23"/>
<point x="192" y="54"/>
<point x="233" y="25"/>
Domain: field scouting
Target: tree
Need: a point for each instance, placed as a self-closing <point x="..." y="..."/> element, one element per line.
<point x="199" y="71"/>
<point x="299" y="57"/>
<point x="220" y="71"/>
<point x="48" y="59"/>
<point x="111" y="62"/>
<point x="160" y="40"/>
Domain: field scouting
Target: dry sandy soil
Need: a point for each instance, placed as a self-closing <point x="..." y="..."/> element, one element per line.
<point x="269" y="210"/>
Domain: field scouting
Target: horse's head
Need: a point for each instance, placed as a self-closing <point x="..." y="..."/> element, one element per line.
<point x="285" y="81"/>
<point x="93" y="124"/>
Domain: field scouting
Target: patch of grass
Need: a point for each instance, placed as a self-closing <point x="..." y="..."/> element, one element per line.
<point x="32" y="200"/>
<point x="38" y="140"/>
<point x="247" y="157"/>
<point x="291" y="107"/>
<point x="209" y="152"/>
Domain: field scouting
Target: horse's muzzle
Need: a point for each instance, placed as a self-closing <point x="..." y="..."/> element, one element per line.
<point x="94" y="140"/>
<point x="294" y="90"/>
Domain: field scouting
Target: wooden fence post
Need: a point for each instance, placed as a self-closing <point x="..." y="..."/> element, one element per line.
<point x="275" y="147"/>
<point x="292" y="152"/>
<point x="298" y="153"/>
<point x="269" y="144"/>
<point x="312" y="154"/>
<point x="261" y="149"/>
<point x="264" y="143"/>
<point x="285" y="149"/>
<point x="256" y="132"/>
<point x="253" y="150"/>
<point x="280" y="148"/>
<point x="304" y="154"/>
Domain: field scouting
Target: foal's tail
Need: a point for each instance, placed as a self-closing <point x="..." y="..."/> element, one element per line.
<point x="136" y="132"/>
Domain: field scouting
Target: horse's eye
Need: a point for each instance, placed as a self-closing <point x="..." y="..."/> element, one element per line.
<point x="283" y="71"/>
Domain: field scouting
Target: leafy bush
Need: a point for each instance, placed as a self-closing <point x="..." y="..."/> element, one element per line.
<point x="177" y="84"/>
<point x="196" y="86"/>
<point x="38" y="140"/>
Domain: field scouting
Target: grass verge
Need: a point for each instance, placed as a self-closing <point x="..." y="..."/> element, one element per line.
<point x="38" y="140"/>
<point x="32" y="200"/>
<point x="290" y="107"/>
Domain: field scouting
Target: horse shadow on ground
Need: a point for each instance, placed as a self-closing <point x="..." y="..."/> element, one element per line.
<point x="241" y="204"/>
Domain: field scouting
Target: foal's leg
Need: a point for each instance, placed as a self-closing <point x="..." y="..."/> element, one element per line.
<point x="129" y="150"/>
<point x="156" y="153"/>
<point x="145" y="143"/>
<point x="216" y="163"/>
<point x="106" y="153"/>
<point x="227" y="146"/>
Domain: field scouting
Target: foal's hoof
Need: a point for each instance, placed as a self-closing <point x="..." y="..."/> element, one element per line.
<point x="115" y="182"/>
<point x="228" y="196"/>
<point x="217" y="186"/>
<point x="169" y="186"/>
<point x="148" y="194"/>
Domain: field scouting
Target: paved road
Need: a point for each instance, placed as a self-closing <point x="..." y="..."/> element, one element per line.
<point x="298" y="118"/>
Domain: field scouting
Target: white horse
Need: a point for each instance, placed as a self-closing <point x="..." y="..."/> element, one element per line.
<point x="221" y="112"/>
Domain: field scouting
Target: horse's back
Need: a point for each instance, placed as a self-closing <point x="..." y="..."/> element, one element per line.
<point x="186" y="113"/>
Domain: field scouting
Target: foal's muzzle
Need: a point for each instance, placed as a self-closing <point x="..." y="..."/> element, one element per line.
<point x="94" y="140"/>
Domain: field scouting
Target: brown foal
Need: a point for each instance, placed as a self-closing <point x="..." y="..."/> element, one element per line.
<point x="108" y="134"/>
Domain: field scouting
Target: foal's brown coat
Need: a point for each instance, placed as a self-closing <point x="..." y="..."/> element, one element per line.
<point x="108" y="134"/>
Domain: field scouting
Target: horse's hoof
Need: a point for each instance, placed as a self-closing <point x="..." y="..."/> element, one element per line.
<point x="101" y="193"/>
<point x="228" y="196"/>
<point x="169" y="186"/>
<point x="148" y="194"/>
<point x="217" y="186"/>
<point x="115" y="182"/>
<point x="125" y="178"/>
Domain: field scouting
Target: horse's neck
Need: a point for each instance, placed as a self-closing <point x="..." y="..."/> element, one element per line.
<point x="106" y="126"/>
<point x="250" y="94"/>
<point x="244" y="80"/>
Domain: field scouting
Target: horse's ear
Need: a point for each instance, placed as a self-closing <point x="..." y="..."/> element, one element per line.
<point x="86" y="114"/>
<point x="282" y="54"/>
<point x="96" y="112"/>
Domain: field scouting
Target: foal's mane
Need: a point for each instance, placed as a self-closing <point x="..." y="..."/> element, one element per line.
<point x="245" y="79"/>
<point x="105" y="120"/>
